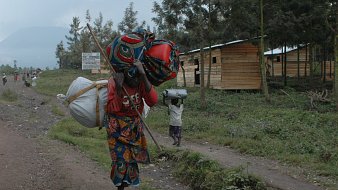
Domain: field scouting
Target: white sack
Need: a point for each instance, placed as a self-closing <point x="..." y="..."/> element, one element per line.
<point x="83" y="108"/>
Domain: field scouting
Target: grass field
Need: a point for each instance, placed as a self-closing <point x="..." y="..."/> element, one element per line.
<point x="285" y="129"/>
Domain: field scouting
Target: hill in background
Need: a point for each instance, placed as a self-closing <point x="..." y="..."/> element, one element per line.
<point x="32" y="47"/>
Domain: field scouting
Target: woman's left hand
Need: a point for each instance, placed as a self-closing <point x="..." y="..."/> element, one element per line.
<point x="139" y="66"/>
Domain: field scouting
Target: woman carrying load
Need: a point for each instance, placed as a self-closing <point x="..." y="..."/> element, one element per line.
<point x="126" y="140"/>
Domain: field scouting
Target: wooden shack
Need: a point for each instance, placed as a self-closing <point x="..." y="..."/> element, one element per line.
<point x="297" y="63"/>
<point x="294" y="58"/>
<point x="234" y="65"/>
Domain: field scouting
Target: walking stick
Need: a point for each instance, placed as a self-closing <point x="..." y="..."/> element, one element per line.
<point x="113" y="71"/>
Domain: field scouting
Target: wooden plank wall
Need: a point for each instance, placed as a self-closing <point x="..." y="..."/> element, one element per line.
<point x="292" y="65"/>
<point x="215" y="75"/>
<point x="236" y="67"/>
<point x="329" y="71"/>
<point x="240" y="67"/>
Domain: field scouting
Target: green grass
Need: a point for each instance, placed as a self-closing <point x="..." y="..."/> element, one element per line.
<point x="9" y="96"/>
<point x="57" y="111"/>
<point x="89" y="140"/>
<point x="201" y="173"/>
<point x="55" y="82"/>
<point x="286" y="129"/>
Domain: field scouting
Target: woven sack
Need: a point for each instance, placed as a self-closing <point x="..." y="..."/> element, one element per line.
<point x="87" y="101"/>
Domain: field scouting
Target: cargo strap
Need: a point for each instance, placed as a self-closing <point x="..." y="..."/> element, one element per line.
<point x="98" y="86"/>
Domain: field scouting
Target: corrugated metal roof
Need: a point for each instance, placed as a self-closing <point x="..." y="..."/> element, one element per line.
<point x="280" y="50"/>
<point x="214" y="46"/>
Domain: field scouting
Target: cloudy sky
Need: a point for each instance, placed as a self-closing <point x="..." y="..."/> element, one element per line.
<point x="18" y="14"/>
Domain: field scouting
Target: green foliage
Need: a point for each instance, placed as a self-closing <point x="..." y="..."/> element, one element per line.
<point x="203" y="174"/>
<point x="129" y="21"/>
<point x="9" y="95"/>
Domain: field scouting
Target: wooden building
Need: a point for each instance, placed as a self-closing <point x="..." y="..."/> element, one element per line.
<point x="297" y="63"/>
<point x="275" y="62"/>
<point x="234" y="65"/>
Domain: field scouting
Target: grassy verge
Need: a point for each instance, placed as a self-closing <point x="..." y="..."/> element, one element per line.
<point x="286" y="129"/>
<point x="9" y="96"/>
<point x="55" y="82"/>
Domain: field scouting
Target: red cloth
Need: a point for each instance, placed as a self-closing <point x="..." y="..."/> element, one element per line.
<point x="120" y="105"/>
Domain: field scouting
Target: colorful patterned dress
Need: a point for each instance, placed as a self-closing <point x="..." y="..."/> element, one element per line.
<point x="126" y="140"/>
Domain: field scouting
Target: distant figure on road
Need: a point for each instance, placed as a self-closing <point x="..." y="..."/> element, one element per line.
<point x="24" y="77"/>
<point x="16" y="76"/>
<point x="4" y="79"/>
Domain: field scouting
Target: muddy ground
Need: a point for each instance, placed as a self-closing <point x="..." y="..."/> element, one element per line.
<point x="30" y="160"/>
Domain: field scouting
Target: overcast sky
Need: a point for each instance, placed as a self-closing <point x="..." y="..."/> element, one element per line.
<point x="17" y="14"/>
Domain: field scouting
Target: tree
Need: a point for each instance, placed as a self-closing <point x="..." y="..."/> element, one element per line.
<point x="202" y="89"/>
<point x="129" y="22"/>
<point x="60" y="53"/>
<point x="74" y="43"/>
<point x="85" y="37"/>
<point x="15" y="66"/>
<point x="261" y="57"/>
<point x="336" y="55"/>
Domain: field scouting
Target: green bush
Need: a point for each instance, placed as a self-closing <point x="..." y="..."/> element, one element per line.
<point x="9" y="95"/>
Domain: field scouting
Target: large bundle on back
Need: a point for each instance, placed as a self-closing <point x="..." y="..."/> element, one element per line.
<point x="87" y="101"/>
<point x="159" y="57"/>
<point x="161" y="61"/>
<point x="126" y="49"/>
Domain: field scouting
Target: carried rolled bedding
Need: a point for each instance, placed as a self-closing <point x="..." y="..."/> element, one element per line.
<point x="87" y="101"/>
<point x="175" y="93"/>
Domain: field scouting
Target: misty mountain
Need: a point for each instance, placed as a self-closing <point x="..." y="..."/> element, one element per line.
<point x="32" y="47"/>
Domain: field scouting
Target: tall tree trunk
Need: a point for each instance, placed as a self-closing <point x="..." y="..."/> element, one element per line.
<point x="209" y="39"/>
<point x="285" y="68"/>
<point x="336" y="60"/>
<point x="202" y="89"/>
<point x="324" y="64"/>
<point x="184" y="79"/>
<point x="262" y="65"/>
<point x="298" y="67"/>
<point x="272" y="64"/>
<point x="311" y="61"/>
<point x="306" y="59"/>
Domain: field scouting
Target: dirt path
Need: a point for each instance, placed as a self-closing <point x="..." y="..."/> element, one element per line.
<point x="30" y="160"/>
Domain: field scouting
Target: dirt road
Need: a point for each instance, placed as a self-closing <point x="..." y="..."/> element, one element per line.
<point x="29" y="160"/>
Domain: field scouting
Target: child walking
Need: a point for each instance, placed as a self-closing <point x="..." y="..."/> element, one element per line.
<point x="175" y="111"/>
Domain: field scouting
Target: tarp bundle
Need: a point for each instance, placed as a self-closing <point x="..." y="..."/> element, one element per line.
<point x="175" y="93"/>
<point x="160" y="57"/>
<point x="87" y="101"/>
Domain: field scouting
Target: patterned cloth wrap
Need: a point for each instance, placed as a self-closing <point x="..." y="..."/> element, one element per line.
<point x="160" y="57"/>
<point x="161" y="61"/>
<point x="126" y="49"/>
